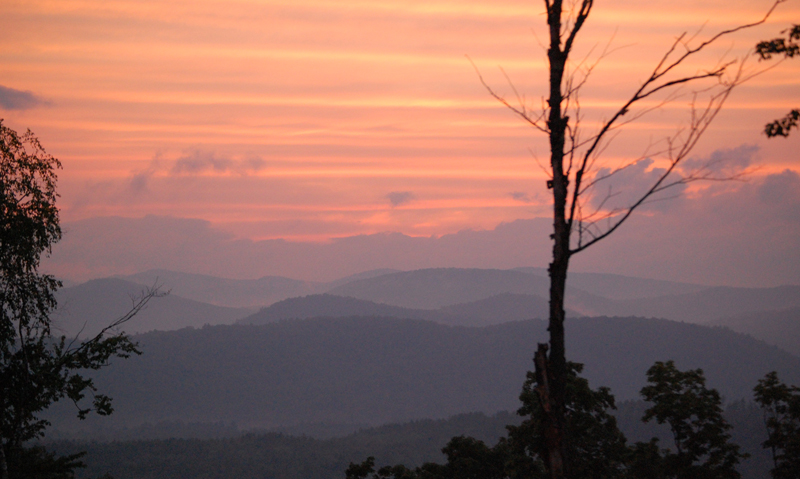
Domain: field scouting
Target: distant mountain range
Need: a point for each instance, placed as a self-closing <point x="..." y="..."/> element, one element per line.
<point x="434" y="288"/>
<point x="703" y="306"/>
<point x="87" y="308"/>
<point x="781" y="328"/>
<point x="419" y="289"/>
<point x="501" y="308"/>
<point x="468" y="297"/>
<point x="615" y="286"/>
<point x="241" y="293"/>
<point x="367" y="370"/>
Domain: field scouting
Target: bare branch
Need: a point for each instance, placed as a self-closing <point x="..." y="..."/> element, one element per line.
<point x="520" y="99"/>
<point x="547" y="172"/>
<point x="697" y="127"/>
<point x="138" y="304"/>
<point x="653" y="85"/>
<point x="586" y="7"/>
<point x="536" y="123"/>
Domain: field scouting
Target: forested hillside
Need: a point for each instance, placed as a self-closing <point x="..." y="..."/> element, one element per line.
<point x="781" y="327"/>
<point x="371" y="371"/>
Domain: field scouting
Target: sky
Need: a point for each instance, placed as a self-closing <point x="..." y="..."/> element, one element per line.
<point x="242" y="125"/>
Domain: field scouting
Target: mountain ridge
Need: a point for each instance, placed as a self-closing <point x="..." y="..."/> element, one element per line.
<point x="90" y="306"/>
<point x="500" y="308"/>
<point x="379" y="370"/>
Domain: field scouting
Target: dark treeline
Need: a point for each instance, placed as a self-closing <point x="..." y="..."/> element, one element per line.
<point x="275" y="455"/>
<point x="279" y="455"/>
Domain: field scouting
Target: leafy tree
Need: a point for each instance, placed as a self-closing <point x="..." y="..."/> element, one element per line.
<point x="595" y="442"/>
<point x="781" y="405"/>
<point x="37" y="369"/>
<point x="37" y="463"/>
<point x="694" y="414"/>
<point x="680" y="399"/>
<point x="574" y="178"/>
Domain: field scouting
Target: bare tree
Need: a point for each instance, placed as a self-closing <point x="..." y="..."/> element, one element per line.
<point x="581" y="217"/>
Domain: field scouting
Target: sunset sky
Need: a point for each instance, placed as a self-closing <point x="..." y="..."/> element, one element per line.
<point x="309" y="120"/>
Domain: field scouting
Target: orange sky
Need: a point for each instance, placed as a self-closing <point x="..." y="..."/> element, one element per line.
<point x="311" y="119"/>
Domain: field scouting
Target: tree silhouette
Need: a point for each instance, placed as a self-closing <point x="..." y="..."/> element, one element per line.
<point x="37" y="369"/>
<point x="574" y="178"/>
<point x="694" y="414"/>
<point x="596" y="443"/>
<point x="781" y="405"/>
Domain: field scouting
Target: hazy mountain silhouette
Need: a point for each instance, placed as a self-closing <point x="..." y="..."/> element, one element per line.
<point x="379" y="370"/>
<point x="328" y="305"/>
<point x="242" y="293"/>
<point x="90" y="306"/>
<point x="446" y="295"/>
<point x="373" y="273"/>
<point x="421" y="289"/>
<point x="437" y="287"/>
<point x="248" y="293"/>
<point x="434" y="288"/>
<point x="615" y="286"/>
<point x="781" y="328"/>
<point x="496" y="309"/>
<point x="702" y="306"/>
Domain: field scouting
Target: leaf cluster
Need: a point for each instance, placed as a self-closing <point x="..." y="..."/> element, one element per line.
<point x="782" y="126"/>
<point x="787" y="48"/>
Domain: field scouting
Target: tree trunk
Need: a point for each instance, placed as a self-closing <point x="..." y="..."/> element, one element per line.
<point x="556" y="369"/>
<point x="552" y="438"/>
<point x="556" y="372"/>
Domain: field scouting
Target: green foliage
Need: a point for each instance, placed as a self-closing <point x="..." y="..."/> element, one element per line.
<point x="679" y="399"/>
<point x="37" y="463"/>
<point x="594" y="443"/>
<point x="36" y="369"/>
<point x="29" y="220"/>
<point x="782" y="126"/>
<point x="787" y="48"/>
<point x="366" y="470"/>
<point x="694" y="415"/>
<point x="781" y="406"/>
<point x="467" y="458"/>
